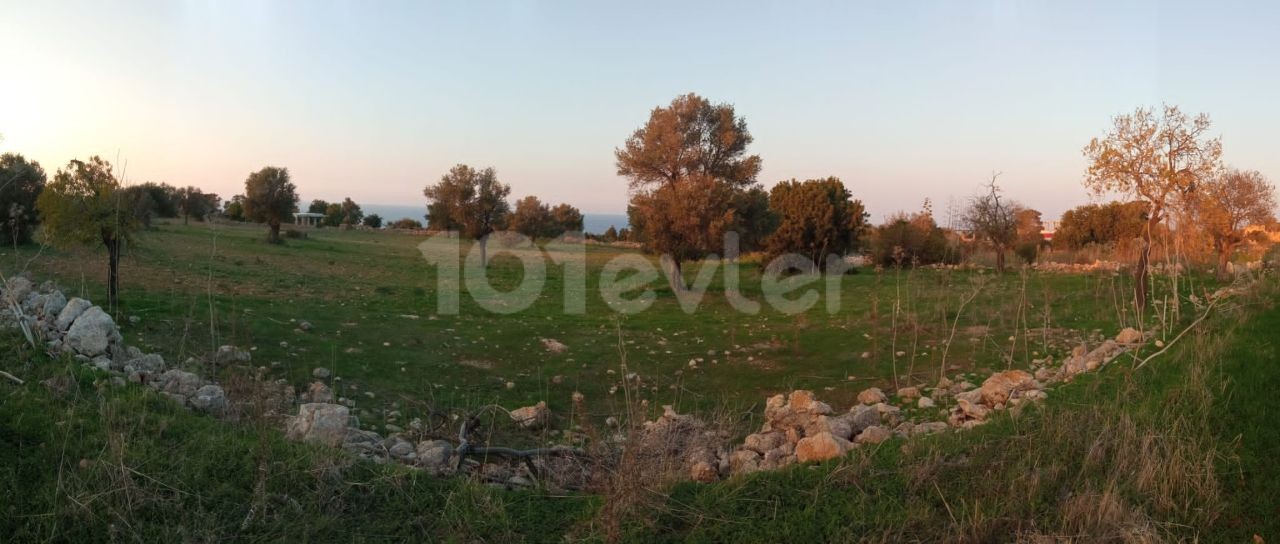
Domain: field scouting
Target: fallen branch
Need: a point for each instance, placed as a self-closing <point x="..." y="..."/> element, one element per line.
<point x="15" y="379"/>
<point x="465" y="448"/>
<point x="1208" y="309"/>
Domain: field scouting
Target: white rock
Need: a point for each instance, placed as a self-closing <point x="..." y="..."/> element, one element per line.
<point x="320" y="423"/>
<point x="92" y="332"/>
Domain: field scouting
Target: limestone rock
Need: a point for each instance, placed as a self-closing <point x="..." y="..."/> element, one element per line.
<point x="909" y="392"/>
<point x="17" y="289"/>
<point x="763" y="442"/>
<point x="230" y="355"/>
<point x="872" y="395"/>
<point x="821" y="447"/>
<point x="319" y="423"/>
<point x="319" y="392"/>
<point x="925" y="402"/>
<point x="178" y="382"/>
<point x="1129" y="335"/>
<point x="70" y="312"/>
<point x="320" y="373"/>
<point x="874" y="434"/>
<point x="1000" y="386"/>
<point x="53" y="305"/>
<point x="92" y="332"/>
<point x="210" y="398"/>
<point x="704" y="472"/>
<point x="532" y="417"/>
<point x="434" y="453"/>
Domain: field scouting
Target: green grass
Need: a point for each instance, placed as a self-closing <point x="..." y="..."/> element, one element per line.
<point x="1180" y="449"/>
<point x="196" y="287"/>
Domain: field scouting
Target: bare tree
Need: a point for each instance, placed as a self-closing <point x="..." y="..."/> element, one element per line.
<point x="1158" y="158"/>
<point x="993" y="220"/>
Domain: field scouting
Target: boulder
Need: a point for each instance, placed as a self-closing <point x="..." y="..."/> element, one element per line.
<point x="434" y="453"/>
<point x="703" y="472"/>
<point x="928" y="427"/>
<point x="230" y="355"/>
<point x="70" y="311"/>
<point x="1000" y="386"/>
<point x="804" y="401"/>
<point x="400" y="448"/>
<point x="872" y="395"/>
<point x="820" y="447"/>
<point x="763" y="442"/>
<point x="320" y="373"/>
<point x="319" y="392"/>
<point x="532" y="417"/>
<point x="151" y="364"/>
<point x="17" y="289"/>
<point x="210" y="398"/>
<point x="744" y="461"/>
<point x="1129" y="335"/>
<point x="925" y="402"/>
<point x="862" y="416"/>
<point x="178" y="382"/>
<point x="320" y="423"/>
<point x="54" y="302"/>
<point x="909" y="392"/>
<point x="874" y="434"/>
<point x="92" y="333"/>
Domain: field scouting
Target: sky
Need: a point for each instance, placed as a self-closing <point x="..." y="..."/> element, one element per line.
<point x="375" y="100"/>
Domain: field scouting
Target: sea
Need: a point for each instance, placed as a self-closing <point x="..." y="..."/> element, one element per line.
<point x="593" y="223"/>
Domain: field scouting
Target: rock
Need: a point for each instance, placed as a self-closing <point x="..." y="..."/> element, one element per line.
<point x="400" y="448"/>
<point x="17" y="289"/>
<point x="703" y="472"/>
<point x="210" y="399"/>
<point x="744" y="461"/>
<point x="820" y="447"/>
<point x="178" y="382"/>
<point x="803" y="400"/>
<point x="320" y="373"/>
<point x="532" y="417"/>
<point x="146" y="365"/>
<point x="70" y="312"/>
<point x="966" y="411"/>
<point x="92" y="333"/>
<point x="319" y="392"/>
<point x="874" y="434"/>
<point x="871" y="395"/>
<point x="763" y="442"/>
<point x="554" y="346"/>
<point x="925" y="402"/>
<point x="54" y="303"/>
<point x="1046" y="374"/>
<point x="320" y="423"/>
<point x="928" y="428"/>
<point x="434" y="453"/>
<point x="1000" y="386"/>
<point x="909" y="392"/>
<point x="1129" y="335"/>
<point x="230" y="355"/>
<point x="305" y="325"/>
<point x="862" y="416"/>
<point x="838" y="426"/>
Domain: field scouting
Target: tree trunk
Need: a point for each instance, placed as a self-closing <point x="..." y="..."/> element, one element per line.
<point x="186" y="219"/>
<point x="484" y="251"/>
<point x="113" y="272"/>
<point x="1224" y="260"/>
<point x="674" y="276"/>
<point x="999" y="259"/>
<point x="274" y="237"/>
<point x="1140" y="271"/>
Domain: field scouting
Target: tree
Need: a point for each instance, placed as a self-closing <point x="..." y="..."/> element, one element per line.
<point x="685" y="166"/>
<point x="234" y="209"/>
<point x="992" y="220"/>
<point x="140" y="202"/>
<point x="610" y="235"/>
<point x="1157" y="158"/>
<point x="318" y="206"/>
<point x="755" y="220"/>
<point x="1030" y="229"/>
<point x="373" y="221"/>
<point x="20" y="184"/>
<point x="566" y="218"/>
<point x="531" y="218"/>
<point x="910" y="240"/>
<point x="85" y="205"/>
<point x="405" y="224"/>
<point x="269" y="197"/>
<point x="1101" y="224"/>
<point x="1227" y="204"/>
<point x="471" y="200"/>
<point x="192" y="202"/>
<point x="351" y="214"/>
<point x="817" y="217"/>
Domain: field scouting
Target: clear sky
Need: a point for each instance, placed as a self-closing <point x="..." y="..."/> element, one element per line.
<point x="373" y="100"/>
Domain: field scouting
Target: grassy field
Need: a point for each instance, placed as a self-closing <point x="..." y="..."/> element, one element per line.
<point x="1178" y="449"/>
<point x="372" y="299"/>
<point x="1181" y="449"/>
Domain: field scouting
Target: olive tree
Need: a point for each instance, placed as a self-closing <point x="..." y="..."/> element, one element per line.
<point x="1225" y="205"/>
<point x="85" y="205"/>
<point x="270" y="197"/>
<point x="472" y="200"/>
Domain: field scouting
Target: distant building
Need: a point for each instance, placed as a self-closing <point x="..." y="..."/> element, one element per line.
<point x="1047" y="229"/>
<point x="307" y="219"/>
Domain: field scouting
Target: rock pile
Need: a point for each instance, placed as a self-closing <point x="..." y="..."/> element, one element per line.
<point x="87" y="333"/>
